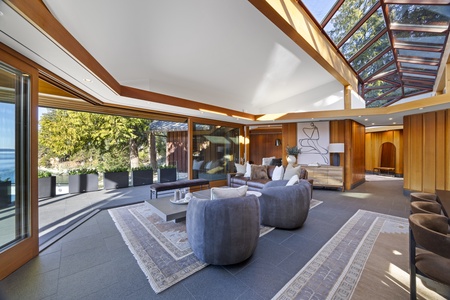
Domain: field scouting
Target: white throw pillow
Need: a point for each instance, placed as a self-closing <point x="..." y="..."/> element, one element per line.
<point x="248" y="171"/>
<point x="219" y="193"/>
<point x="240" y="168"/>
<point x="197" y="164"/>
<point x="266" y="160"/>
<point x="294" y="180"/>
<point x="291" y="171"/>
<point x="208" y="165"/>
<point x="278" y="173"/>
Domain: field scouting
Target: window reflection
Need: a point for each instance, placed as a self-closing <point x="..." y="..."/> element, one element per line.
<point x="14" y="185"/>
<point x="215" y="149"/>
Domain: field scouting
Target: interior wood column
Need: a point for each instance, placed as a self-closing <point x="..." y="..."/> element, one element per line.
<point x="289" y="133"/>
<point x="426" y="151"/>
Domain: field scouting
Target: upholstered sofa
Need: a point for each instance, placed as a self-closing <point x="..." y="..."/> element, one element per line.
<point x="255" y="182"/>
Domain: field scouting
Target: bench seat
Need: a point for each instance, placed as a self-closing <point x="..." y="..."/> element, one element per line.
<point x="166" y="186"/>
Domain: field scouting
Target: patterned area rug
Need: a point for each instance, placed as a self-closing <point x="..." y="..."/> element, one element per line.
<point x="161" y="248"/>
<point x="367" y="258"/>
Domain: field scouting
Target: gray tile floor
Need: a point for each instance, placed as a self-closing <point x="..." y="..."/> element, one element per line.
<point x="93" y="262"/>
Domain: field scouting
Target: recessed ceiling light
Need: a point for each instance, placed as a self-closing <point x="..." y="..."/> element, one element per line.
<point x="87" y="80"/>
<point x="420" y="108"/>
<point x="373" y="123"/>
<point x="366" y="119"/>
<point x="359" y="116"/>
<point x="390" y="119"/>
<point x="394" y="122"/>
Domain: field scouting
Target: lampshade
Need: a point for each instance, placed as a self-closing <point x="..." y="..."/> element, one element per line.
<point x="336" y="148"/>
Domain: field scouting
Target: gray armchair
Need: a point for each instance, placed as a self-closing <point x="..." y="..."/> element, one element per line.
<point x="284" y="206"/>
<point x="223" y="231"/>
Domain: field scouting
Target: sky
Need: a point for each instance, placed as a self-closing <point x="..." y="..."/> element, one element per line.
<point x="7" y="124"/>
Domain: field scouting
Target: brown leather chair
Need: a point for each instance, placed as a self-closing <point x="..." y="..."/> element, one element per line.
<point x="420" y="196"/>
<point x="425" y="207"/>
<point x="432" y="256"/>
<point x="428" y="197"/>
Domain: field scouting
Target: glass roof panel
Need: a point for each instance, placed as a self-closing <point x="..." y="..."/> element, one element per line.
<point x="377" y="83"/>
<point x="373" y="94"/>
<point x="410" y="91"/>
<point x="379" y="46"/>
<point x="419" y="75"/>
<point x="436" y="15"/>
<point x="375" y="38"/>
<point x="319" y="9"/>
<point x="373" y="68"/>
<point x="416" y="37"/>
<point x="418" y="67"/>
<point x="416" y="53"/>
<point x="374" y="25"/>
<point x="379" y="103"/>
<point x="347" y="16"/>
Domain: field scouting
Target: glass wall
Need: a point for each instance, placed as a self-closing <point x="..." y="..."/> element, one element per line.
<point x="14" y="156"/>
<point x="215" y="149"/>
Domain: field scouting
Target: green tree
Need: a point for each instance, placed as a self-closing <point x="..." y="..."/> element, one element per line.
<point x="89" y="137"/>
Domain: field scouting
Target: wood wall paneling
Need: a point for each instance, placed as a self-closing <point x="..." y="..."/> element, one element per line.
<point x="429" y="152"/>
<point x="289" y="138"/>
<point x="440" y="150"/>
<point x="177" y="150"/>
<point x="374" y="142"/>
<point x="426" y="148"/>
<point x="416" y="152"/>
<point x="352" y="134"/>
<point x="262" y="144"/>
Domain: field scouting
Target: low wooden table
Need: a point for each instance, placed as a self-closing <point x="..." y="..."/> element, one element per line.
<point x="387" y="169"/>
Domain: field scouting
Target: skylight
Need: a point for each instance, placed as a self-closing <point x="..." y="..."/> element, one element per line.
<point x="394" y="46"/>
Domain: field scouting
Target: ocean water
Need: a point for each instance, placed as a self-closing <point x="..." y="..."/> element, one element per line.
<point x="7" y="165"/>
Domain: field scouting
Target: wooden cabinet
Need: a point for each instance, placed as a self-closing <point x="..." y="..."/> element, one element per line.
<point x="326" y="176"/>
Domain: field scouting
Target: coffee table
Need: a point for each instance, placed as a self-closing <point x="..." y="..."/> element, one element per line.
<point x="169" y="211"/>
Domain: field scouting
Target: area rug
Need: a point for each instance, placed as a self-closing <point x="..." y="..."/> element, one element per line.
<point x="161" y="248"/>
<point x="367" y="258"/>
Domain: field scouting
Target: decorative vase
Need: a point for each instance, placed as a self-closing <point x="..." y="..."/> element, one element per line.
<point x="291" y="159"/>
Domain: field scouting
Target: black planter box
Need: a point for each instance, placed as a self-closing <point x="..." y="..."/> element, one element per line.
<point x="142" y="177"/>
<point x="83" y="183"/>
<point x="115" y="180"/>
<point x="47" y="187"/>
<point x="5" y="193"/>
<point x="167" y="175"/>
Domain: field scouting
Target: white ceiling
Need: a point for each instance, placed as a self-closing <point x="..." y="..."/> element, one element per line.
<point x="223" y="53"/>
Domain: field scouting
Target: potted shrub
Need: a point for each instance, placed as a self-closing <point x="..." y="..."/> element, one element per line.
<point x="83" y="180"/>
<point x="292" y="153"/>
<point x="46" y="184"/>
<point x="115" y="178"/>
<point x="5" y="192"/>
<point x="142" y="175"/>
<point x="167" y="173"/>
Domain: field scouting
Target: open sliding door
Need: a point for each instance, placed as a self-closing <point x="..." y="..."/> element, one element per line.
<point x="18" y="163"/>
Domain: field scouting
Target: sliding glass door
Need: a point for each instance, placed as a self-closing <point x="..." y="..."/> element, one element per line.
<point x="18" y="209"/>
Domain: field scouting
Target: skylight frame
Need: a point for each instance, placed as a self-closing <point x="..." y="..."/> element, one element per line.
<point x="409" y="34"/>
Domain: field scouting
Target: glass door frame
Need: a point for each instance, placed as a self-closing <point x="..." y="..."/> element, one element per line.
<point x="24" y="250"/>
